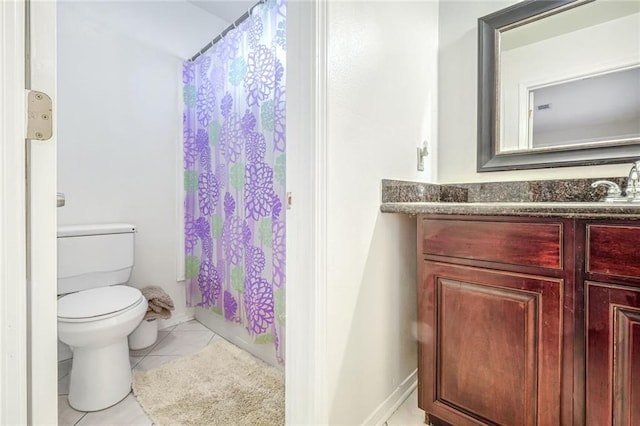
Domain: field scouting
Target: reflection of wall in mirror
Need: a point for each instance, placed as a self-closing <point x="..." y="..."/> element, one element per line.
<point x="606" y="46"/>
<point x="598" y="109"/>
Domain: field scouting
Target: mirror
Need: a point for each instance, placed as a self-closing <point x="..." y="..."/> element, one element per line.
<point x="559" y="84"/>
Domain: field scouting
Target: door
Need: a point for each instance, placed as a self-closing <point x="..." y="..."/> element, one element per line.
<point x="490" y="346"/>
<point x="42" y="226"/>
<point x="28" y="319"/>
<point x="613" y="354"/>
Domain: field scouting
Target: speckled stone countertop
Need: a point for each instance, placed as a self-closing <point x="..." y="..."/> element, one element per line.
<point x="567" y="198"/>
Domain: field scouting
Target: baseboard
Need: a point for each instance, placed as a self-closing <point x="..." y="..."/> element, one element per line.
<point x="238" y="335"/>
<point x="175" y="320"/>
<point x="389" y="406"/>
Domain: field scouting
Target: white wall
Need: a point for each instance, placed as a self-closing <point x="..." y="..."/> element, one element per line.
<point x="457" y="104"/>
<point x="381" y="104"/>
<point x="120" y="135"/>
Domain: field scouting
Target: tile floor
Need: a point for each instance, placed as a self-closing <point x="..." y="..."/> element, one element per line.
<point x="173" y="343"/>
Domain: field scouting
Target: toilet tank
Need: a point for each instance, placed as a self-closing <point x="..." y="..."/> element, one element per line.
<point x="91" y="256"/>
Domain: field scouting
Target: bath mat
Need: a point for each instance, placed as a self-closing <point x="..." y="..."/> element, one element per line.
<point x="220" y="385"/>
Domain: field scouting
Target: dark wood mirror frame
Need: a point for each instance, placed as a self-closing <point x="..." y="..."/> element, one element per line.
<point x="488" y="98"/>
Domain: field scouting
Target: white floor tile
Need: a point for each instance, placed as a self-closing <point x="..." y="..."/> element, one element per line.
<point x="64" y="368"/>
<point x="63" y="385"/>
<point x="154" y="361"/>
<point x="408" y="414"/>
<point x="134" y="360"/>
<point x="126" y="412"/>
<point x="142" y="352"/>
<point x="67" y="416"/>
<point x="182" y="343"/>
<point x="192" y="325"/>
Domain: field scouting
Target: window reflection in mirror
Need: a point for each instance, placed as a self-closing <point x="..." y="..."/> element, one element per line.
<point x="588" y="111"/>
<point x="571" y="79"/>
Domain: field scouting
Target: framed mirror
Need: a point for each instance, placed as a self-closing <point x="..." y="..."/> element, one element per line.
<point x="559" y="84"/>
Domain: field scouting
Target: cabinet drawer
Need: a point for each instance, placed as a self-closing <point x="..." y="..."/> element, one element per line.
<point x="613" y="250"/>
<point x="516" y="243"/>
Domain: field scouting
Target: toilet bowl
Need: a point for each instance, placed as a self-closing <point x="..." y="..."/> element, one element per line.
<point x="95" y="324"/>
<point x="96" y="311"/>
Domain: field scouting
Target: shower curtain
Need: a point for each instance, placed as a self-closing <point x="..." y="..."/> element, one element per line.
<point x="234" y="179"/>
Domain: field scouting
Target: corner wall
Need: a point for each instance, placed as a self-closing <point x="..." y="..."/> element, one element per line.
<point x="457" y="85"/>
<point x="382" y="75"/>
<point x="119" y="143"/>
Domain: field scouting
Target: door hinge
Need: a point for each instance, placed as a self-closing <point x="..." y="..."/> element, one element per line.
<point x="39" y="116"/>
<point x="289" y="200"/>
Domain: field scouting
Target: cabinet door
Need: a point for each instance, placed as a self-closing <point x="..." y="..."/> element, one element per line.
<point x="613" y="355"/>
<point x="490" y="346"/>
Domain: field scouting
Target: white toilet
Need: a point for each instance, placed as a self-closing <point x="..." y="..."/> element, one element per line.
<point x="96" y="311"/>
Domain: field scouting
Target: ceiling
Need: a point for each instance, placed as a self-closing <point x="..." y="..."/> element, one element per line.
<point x="227" y="10"/>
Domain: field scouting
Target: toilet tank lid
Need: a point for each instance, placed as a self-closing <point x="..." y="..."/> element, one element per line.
<point x="95" y="229"/>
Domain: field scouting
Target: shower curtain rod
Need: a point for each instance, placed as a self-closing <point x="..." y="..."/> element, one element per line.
<point x="233" y="25"/>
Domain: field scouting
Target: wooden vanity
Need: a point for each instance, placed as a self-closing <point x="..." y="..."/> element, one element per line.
<point x="528" y="320"/>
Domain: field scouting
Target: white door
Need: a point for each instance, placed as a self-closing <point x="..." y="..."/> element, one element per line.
<point x="28" y="321"/>
<point x="43" y="226"/>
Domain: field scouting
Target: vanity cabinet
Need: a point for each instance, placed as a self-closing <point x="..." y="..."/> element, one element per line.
<point x="528" y="321"/>
<point x="612" y="302"/>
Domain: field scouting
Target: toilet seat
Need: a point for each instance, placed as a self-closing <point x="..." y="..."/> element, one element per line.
<point x="98" y="303"/>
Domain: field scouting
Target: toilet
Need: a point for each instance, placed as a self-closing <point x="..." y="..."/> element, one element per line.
<point x="97" y="310"/>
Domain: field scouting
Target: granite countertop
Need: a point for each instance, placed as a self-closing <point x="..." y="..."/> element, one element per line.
<point x="567" y="198"/>
<point x="545" y="209"/>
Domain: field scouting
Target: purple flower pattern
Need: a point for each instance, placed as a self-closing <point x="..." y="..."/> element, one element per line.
<point x="279" y="123"/>
<point x="209" y="283"/>
<point x="226" y="104"/>
<point x="231" y="138"/>
<point x="188" y="73"/>
<point x="258" y="188"/>
<point x="190" y="237"/>
<point x="229" y="205"/>
<point x="255" y="30"/>
<point x="189" y="148"/>
<point x="279" y="248"/>
<point x="254" y="261"/>
<point x="230" y="306"/>
<point x="260" y="78"/>
<point x="234" y="134"/>
<point x="203" y="63"/>
<point x="258" y="300"/>
<point x="208" y="193"/>
<point x="256" y="147"/>
<point x="232" y="239"/>
<point x="276" y="207"/>
<point x="227" y="47"/>
<point x="205" y="103"/>
<point x="248" y="122"/>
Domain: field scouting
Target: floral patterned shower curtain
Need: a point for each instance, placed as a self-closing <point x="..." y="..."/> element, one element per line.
<point x="234" y="179"/>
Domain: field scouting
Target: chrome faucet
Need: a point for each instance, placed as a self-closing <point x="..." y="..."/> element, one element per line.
<point x="633" y="183"/>
<point x="632" y="192"/>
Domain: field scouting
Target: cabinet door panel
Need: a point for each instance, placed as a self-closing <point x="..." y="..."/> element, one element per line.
<point x="490" y="346"/>
<point x="487" y="336"/>
<point x="613" y="355"/>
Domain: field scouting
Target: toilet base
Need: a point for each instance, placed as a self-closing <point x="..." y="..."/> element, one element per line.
<point x="100" y="376"/>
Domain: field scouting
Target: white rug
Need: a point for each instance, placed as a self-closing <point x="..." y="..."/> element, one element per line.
<point x="221" y="385"/>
